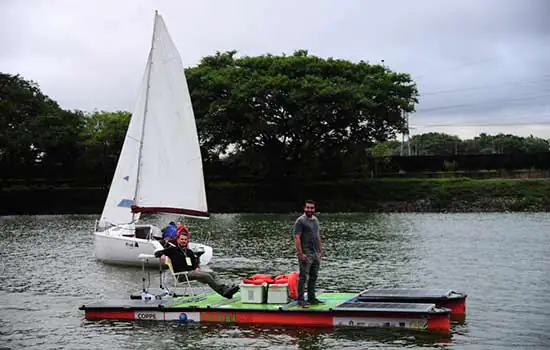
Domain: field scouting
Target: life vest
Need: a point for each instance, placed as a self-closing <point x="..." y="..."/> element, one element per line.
<point x="281" y="279"/>
<point x="249" y="281"/>
<point x="291" y="279"/>
<point x="181" y="229"/>
<point x="258" y="279"/>
<point x="293" y="285"/>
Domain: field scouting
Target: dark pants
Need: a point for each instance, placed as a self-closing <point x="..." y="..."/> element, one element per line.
<point x="308" y="271"/>
<point x="209" y="278"/>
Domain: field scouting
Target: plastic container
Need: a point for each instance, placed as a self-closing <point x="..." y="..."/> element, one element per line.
<point x="253" y="293"/>
<point x="277" y="294"/>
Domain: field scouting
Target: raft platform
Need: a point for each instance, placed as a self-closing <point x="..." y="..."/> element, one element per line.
<point x="339" y="310"/>
<point x="442" y="298"/>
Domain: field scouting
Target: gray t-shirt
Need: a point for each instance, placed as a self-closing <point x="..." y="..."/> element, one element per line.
<point x="309" y="229"/>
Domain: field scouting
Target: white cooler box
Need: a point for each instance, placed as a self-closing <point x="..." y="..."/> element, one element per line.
<point x="277" y="294"/>
<point x="253" y="293"/>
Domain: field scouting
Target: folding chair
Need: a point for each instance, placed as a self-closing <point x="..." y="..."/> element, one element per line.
<point x="189" y="291"/>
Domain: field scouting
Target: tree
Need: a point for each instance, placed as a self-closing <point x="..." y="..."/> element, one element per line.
<point x="384" y="149"/>
<point x="103" y="137"/>
<point x="445" y="144"/>
<point x="507" y="143"/>
<point x="21" y="101"/>
<point x="300" y="109"/>
<point x="381" y="154"/>
<point x="435" y="143"/>
<point x="535" y="144"/>
<point x="57" y="138"/>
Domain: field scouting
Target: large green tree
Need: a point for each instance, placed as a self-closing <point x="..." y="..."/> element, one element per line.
<point x="103" y="137"/>
<point x="435" y="143"/>
<point x="301" y="109"/>
<point x="507" y="143"/>
<point x="57" y="138"/>
<point x="21" y="101"/>
<point x="33" y="128"/>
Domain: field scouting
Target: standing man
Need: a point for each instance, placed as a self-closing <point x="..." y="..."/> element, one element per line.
<point x="308" y="250"/>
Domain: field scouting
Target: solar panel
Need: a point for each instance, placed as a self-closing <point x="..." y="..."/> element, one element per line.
<point x="406" y="293"/>
<point x="387" y="307"/>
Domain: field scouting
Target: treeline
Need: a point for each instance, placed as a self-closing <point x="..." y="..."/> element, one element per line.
<point x="268" y="113"/>
<point x="441" y="144"/>
<point x="266" y="117"/>
<point x="518" y="165"/>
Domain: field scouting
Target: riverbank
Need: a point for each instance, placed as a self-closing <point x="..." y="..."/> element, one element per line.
<point x="377" y="195"/>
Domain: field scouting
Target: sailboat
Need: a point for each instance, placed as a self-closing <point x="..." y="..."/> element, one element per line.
<point x="160" y="168"/>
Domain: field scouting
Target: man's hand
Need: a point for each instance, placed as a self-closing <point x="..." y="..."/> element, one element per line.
<point x="302" y="257"/>
<point x="318" y="256"/>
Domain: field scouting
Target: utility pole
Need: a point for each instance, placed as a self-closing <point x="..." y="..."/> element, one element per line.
<point x="408" y="136"/>
<point x="402" y="136"/>
<point x="406" y="132"/>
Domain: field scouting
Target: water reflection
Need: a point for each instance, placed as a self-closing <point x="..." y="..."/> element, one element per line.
<point x="173" y="335"/>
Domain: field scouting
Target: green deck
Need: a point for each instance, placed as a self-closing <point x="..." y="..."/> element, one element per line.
<point x="215" y="300"/>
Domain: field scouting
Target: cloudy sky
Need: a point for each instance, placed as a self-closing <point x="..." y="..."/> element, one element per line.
<point x="481" y="66"/>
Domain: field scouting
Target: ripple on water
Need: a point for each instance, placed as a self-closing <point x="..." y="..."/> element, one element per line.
<point x="500" y="260"/>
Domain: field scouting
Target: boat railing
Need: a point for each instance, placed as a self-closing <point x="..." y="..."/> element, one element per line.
<point x="98" y="227"/>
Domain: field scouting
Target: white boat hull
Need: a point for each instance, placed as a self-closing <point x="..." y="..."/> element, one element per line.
<point x="112" y="247"/>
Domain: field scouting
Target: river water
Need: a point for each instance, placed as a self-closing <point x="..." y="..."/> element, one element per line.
<point x="502" y="261"/>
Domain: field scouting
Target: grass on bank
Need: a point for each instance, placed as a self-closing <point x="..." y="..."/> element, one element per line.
<point x="410" y="195"/>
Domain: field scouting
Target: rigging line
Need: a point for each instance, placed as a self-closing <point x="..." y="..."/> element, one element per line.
<point x="505" y="113"/>
<point x="481" y="103"/>
<point x="471" y="63"/>
<point x="134" y="138"/>
<point x="525" y="123"/>
<point x="521" y="49"/>
<point x="479" y="87"/>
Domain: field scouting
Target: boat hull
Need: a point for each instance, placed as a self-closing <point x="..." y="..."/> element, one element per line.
<point x="334" y="313"/>
<point x="117" y="249"/>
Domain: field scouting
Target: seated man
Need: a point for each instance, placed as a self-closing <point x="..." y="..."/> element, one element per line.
<point x="184" y="259"/>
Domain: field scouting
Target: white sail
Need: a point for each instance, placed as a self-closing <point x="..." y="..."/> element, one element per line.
<point x="117" y="209"/>
<point x="165" y="174"/>
<point x="171" y="175"/>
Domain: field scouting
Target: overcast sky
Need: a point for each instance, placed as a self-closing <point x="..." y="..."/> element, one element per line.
<point x="480" y="66"/>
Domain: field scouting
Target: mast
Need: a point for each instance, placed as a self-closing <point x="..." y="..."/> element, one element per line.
<point x="150" y="64"/>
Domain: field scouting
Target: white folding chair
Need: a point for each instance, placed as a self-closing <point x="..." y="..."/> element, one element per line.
<point x="199" y="292"/>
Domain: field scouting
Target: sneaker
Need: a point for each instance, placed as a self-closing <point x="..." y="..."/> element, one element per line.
<point x="231" y="291"/>
<point x="316" y="302"/>
<point x="302" y="304"/>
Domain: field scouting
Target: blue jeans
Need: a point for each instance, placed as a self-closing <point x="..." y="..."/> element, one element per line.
<point x="308" y="272"/>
